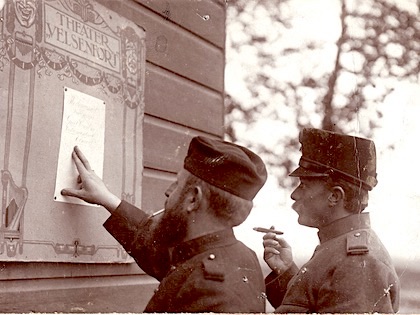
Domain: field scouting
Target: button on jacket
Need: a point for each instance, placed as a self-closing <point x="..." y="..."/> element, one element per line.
<point x="213" y="273"/>
<point x="350" y="272"/>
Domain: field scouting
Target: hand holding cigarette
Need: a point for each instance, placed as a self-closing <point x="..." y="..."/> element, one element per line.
<point x="277" y="252"/>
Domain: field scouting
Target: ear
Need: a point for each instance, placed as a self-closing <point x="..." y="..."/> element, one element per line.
<point x="195" y="198"/>
<point x="336" y="195"/>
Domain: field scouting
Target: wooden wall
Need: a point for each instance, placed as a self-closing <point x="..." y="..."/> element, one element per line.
<point x="184" y="97"/>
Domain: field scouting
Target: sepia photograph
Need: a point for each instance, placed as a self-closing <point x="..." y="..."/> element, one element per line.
<point x="209" y="156"/>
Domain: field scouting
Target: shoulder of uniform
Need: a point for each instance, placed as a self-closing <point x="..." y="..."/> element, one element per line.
<point x="213" y="268"/>
<point x="357" y="242"/>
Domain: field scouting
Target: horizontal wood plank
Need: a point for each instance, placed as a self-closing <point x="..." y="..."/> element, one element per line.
<point x="166" y="144"/>
<point x="120" y="294"/>
<point x="33" y="270"/>
<point x="174" y="48"/>
<point x="176" y="99"/>
<point x="204" y="18"/>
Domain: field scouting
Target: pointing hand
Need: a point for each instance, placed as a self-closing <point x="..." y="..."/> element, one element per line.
<point x="91" y="188"/>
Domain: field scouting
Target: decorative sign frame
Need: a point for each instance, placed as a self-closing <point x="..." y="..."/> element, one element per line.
<point x="47" y="49"/>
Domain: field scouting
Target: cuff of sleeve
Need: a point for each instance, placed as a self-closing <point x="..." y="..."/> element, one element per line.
<point x="129" y="212"/>
<point x="276" y="285"/>
<point x="282" y="278"/>
<point x="126" y="215"/>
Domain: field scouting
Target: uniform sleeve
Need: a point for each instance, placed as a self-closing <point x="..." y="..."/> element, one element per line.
<point x="276" y="286"/>
<point x="124" y="224"/>
<point x="213" y="295"/>
<point x="134" y="230"/>
<point x="360" y="284"/>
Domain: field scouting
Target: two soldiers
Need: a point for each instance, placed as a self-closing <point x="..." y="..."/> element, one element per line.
<point x="190" y="247"/>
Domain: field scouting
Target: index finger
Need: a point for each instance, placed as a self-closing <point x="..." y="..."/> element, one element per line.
<point x="82" y="159"/>
<point x="80" y="165"/>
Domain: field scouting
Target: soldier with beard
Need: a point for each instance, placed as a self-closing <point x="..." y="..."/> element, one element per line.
<point x="190" y="247"/>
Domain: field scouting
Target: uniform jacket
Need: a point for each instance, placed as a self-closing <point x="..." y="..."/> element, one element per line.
<point x="213" y="273"/>
<point x="350" y="272"/>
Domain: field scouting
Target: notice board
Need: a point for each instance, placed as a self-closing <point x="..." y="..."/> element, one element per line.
<point x="71" y="73"/>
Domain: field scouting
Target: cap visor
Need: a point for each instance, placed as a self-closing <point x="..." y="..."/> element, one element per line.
<point x="304" y="172"/>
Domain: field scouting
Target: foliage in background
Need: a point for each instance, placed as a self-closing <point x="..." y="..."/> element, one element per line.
<point x="334" y="81"/>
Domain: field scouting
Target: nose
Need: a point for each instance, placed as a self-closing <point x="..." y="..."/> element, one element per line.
<point x="169" y="190"/>
<point x="294" y="194"/>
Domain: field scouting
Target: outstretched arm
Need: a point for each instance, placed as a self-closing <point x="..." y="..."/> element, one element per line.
<point x="91" y="188"/>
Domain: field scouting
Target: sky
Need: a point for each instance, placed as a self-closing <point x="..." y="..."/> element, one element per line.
<point x="394" y="203"/>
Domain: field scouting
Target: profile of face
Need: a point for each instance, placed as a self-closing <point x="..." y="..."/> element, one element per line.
<point x="311" y="202"/>
<point x="25" y="11"/>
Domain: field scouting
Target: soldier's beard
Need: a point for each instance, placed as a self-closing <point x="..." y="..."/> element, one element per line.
<point x="172" y="228"/>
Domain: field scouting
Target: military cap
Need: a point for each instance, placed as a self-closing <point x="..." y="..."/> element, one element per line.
<point x="326" y="153"/>
<point x="226" y="165"/>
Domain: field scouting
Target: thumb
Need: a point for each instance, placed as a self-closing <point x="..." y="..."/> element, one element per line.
<point x="70" y="192"/>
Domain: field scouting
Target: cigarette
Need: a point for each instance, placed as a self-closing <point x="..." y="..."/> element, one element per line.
<point x="264" y="230"/>
<point x="158" y="212"/>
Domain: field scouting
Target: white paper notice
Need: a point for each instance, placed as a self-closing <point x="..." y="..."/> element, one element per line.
<point x="83" y="125"/>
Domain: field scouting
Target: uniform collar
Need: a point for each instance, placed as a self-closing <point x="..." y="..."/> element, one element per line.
<point x="344" y="225"/>
<point x="191" y="248"/>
